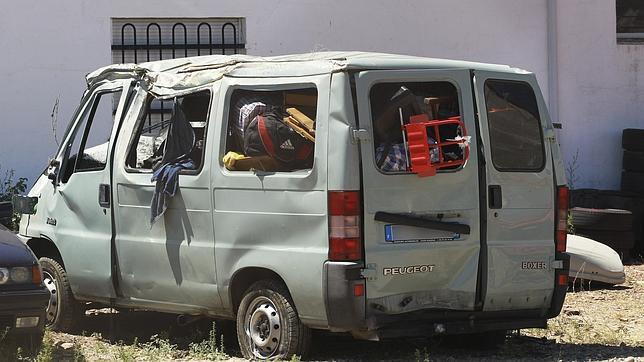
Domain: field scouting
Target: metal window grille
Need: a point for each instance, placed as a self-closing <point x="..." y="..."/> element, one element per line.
<point x="630" y="21"/>
<point x="138" y="40"/>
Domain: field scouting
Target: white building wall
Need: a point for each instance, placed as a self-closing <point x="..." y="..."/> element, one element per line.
<point x="48" y="47"/>
<point x="601" y="90"/>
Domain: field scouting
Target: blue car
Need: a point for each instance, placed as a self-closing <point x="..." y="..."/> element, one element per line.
<point x="23" y="296"/>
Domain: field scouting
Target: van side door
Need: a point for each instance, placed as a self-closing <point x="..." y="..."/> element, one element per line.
<point x="168" y="264"/>
<point x="520" y="247"/>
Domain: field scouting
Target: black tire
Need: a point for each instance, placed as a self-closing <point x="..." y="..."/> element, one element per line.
<point x="606" y="199"/>
<point x="609" y="199"/>
<point x="617" y="240"/>
<point x="633" y="161"/>
<point x="633" y="182"/>
<point x="583" y="198"/>
<point x="63" y="312"/>
<point x="602" y="219"/>
<point x="633" y="139"/>
<point x="278" y="330"/>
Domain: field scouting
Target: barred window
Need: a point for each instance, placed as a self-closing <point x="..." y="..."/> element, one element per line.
<point x="630" y="21"/>
<point x="138" y="40"/>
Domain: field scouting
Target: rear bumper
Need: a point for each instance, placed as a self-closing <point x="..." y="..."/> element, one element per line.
<point x="428" y="323"/>
<point x="23" y="303"/>
<point x="460" y="327"/>
<point x="347" y="312"/>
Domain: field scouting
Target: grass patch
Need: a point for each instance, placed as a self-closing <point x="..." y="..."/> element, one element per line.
<point x="199" y="344"/>
<point x="580" y="331"/>
<point x="421" y="356"/>
<point x="209" y="348"/>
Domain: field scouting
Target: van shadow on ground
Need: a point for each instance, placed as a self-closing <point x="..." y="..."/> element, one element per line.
<point x="126" y="327"/>
<point x="337" y="347"/>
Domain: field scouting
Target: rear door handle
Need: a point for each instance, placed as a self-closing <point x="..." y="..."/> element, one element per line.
<point x="104" y="195"/>
<point x="495" y="197"/>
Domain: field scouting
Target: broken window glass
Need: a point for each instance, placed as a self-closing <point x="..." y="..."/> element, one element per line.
<point x="148" y="146"/>
<point x="396" y="104"/>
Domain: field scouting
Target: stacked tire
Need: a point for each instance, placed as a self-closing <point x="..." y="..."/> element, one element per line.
<point x="613" y="227"/>
<point x="633" y="161"/>
<point x="611" y="217"/>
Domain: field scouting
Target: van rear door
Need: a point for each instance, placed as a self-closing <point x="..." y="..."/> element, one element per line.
<point x="421" y="234"/>
<point x="520" y="192"/>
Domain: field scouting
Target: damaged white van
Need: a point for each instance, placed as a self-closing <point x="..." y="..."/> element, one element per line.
<point x="380" y="195"/>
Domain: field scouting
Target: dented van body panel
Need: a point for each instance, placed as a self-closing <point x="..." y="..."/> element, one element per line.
<point x="436" y="247"/>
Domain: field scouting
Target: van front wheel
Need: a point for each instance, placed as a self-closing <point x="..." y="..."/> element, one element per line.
<point x="268" y="326"/>
<point x="63" y="311"/>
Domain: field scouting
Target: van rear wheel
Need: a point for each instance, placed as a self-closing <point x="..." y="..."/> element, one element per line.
<point x="63" y="311"/>
<point x="268" y="326"/>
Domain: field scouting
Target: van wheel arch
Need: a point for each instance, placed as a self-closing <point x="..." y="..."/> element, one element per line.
<point x="244" y="278"/>
<point x="43" y="247"/>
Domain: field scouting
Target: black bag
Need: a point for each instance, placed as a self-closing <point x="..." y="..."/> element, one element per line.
<point x="268" y="135"/>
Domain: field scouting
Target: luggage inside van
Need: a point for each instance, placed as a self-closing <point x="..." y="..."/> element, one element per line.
<point x="271" y="131"/>
<point x="267" y="134"/>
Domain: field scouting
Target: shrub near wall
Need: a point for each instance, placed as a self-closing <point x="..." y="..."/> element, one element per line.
<point x="9" y="186"/>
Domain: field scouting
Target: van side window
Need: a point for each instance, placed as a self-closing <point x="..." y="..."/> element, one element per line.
<point x="147" y="148"/>
<point x="515" y="131"/>
<point x="394" y="105"/>
<point x="92" y="136"/>
<point x="271" y="130"/>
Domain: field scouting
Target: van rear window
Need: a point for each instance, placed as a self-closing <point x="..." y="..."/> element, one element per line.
<point x="515" y="130"/>
<point x="396" y="104"/>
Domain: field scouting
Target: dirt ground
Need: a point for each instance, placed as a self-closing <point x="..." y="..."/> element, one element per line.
<point x="597" y="323"/>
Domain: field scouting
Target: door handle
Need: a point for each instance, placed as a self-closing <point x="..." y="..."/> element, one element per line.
<point x="104" y="196"/>
<point x="495" y="197"/>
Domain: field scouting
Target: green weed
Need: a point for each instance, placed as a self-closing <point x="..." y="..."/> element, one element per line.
<point x="209" y="348"/>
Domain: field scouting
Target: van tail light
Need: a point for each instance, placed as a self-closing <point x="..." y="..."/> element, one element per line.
<point x="561" y="232"/>
<point x="345" y="242"/>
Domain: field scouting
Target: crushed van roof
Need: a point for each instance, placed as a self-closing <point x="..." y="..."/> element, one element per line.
<point x="172" y="75"/>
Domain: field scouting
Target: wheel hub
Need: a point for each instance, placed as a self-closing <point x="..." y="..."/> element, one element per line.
<point x="263" y="327"/>
<point x="52" y="306"/>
